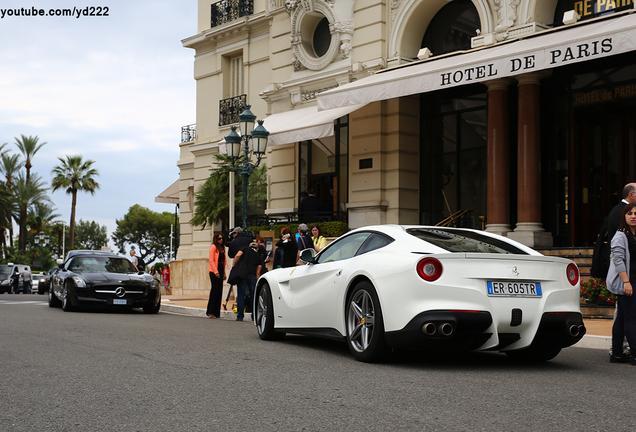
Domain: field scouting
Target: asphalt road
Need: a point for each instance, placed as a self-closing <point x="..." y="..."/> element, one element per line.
<point x="104" y="371"/>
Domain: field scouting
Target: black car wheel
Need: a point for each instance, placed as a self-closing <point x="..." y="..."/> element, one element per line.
<point x="53" y="300"/>
<point x="265" y="315"/>
<point x="153" y="308"/>
<point x="365" y="327"/>
<point x="67" y="304"/>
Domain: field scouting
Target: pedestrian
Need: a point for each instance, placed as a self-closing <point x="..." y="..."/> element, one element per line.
<point x="155" y="274"/>
<point x="216" y="270"/>
<point x="26" y="281"/>
<point x="601" y="257"/>
<point x="621" y="281"/>
<point x="253" y="264"/>
<point x="165" y="280"/>
<point x="304" y="241"/>
<point x="290" y="248"/>
<point x="133" y="258"/>
<point x="15" y="280"/>
<point x="319" y="241"/>
<point x="237" y="241"/>
<point x="309" y="208"/>
<point x="262" y="250"/>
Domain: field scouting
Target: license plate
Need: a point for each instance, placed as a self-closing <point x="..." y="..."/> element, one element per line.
<point x="514" y="289"/>
<point x="119" y="301"/>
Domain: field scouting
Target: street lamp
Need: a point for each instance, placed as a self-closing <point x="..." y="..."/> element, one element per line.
<point x="42" y="240"/>
<point x="233" y="144"/>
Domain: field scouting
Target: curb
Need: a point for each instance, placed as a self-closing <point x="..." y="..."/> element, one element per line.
<point x="197" y="312"/>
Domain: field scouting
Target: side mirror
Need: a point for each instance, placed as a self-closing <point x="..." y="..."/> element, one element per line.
<point x="308" y="255"/>
<point x="59" y="261"/>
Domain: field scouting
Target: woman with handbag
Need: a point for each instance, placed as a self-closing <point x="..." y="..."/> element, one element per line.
<point x="216" y="269"/>
<point x="621" y="281"/>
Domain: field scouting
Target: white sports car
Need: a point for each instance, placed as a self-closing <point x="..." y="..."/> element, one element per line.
<point x="426" y="288"/>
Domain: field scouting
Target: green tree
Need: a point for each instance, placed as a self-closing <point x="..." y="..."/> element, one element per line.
<point x="147" y="229"/>
<point x="74" y="174"/>
<point x="90" y="235"/>
<point x="26" y="195"/>
<point x="28" y="146"/>
<point x="211" y="201"/>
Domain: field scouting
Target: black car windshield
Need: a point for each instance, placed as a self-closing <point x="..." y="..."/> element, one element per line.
<point x="5" y="270"/>
<point x="464" y="241"/>
<point x="100" y="264"/>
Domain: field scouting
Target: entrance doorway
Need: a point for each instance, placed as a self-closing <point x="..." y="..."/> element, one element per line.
<point x="604" y="158"/>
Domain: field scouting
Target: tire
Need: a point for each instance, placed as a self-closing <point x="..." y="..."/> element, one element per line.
<point x="153" y="308"/>
<point x="265" y="315"/>
<point x="67" y="304"/>
<point x="364" y="324"/>
<point x="533" y="354"/>
<point x="53" y="300"/>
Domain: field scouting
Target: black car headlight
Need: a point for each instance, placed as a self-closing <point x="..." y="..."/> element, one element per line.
<point x="5" y="282"/>
<point x="154" y="284"/>
<point x="79" y="282"/>
<point x="42" y="280"/>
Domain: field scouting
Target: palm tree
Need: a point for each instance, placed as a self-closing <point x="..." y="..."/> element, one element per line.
<point x="9" y="167"/>
<point x="74" y="174"/>
<point x="6" y="208"/>
<point x="26" y="195"/>
<point x="28" y="147"/>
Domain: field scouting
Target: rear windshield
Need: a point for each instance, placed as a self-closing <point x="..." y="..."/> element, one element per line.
<point x="464" y="241"/>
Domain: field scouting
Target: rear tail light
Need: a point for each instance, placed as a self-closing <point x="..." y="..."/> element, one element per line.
<point x="429" y="269"/>
<point x="572" y="273"/>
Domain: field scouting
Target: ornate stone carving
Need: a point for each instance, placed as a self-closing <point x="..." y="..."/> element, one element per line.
<point x="310" y="95"/>
<point x="345" y="49"/>
<point x="506" y="14"/>
<point x="395" y="4"/>
<point x="290" y="5"/>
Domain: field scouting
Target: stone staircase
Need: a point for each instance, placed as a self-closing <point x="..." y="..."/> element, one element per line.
<point x="580" y="255"/>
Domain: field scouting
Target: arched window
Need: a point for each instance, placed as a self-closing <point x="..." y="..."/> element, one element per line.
<point x="452" y="28"/>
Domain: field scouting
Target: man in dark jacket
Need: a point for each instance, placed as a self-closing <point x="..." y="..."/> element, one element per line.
<point x="309" y="208"/>
<point x="238" y="240"/>
<point x="600" y="259"/>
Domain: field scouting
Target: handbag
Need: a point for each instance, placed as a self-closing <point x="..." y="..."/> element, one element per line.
<point x="237" y="273"/>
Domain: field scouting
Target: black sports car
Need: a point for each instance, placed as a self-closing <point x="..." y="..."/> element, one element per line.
<point x="103" y="279"/>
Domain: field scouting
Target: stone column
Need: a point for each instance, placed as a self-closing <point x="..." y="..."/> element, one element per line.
<point x="529" y="229"/>
<point x="498" y="195"/>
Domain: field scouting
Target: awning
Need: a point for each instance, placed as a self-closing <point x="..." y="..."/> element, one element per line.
<point x="303" y="124"/>
<point x="559" y="47"/>
<point x="170" y="195"/>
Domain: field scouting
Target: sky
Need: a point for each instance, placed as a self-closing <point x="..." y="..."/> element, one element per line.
<point x="115" y="89"/>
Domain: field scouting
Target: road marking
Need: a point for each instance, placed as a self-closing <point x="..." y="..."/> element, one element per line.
<point x="22" y="302"/>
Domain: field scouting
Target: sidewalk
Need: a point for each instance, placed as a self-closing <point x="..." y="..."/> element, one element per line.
<point x="599" y="331"/>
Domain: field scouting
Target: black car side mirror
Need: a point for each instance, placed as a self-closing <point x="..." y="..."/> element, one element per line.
<point x="308" y="255"/>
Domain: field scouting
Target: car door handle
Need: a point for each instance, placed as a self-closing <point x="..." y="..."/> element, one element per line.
<point x="338" y="272"/>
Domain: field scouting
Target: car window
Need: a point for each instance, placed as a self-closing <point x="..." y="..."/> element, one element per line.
<point x="375" y="241"/>
<point x="104" y="264"/>
<point x="344" y="248"/>
<point x="5" y="270"/>
<point x="464" y="241"/>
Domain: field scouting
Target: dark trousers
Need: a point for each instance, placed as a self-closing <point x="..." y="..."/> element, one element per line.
<point x="216" y="293"/>
<point x="625" y="325"/>
<point x="244" y="287"/>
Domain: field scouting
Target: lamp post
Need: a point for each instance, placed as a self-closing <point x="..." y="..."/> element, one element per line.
<point x="41" y="240"/>
<point x="259" y="144"/>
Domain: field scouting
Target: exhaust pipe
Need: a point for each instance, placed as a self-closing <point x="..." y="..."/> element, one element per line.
<point x="574" y="330"/>
<point x="429" y="329"/>
<point x="447" y="329"/>
<point x="582" y="330"/>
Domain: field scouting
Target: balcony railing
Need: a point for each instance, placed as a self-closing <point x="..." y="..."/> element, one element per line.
<point x="188" y="133"/>
<point x="228" y="10"/>
<point x="230" y="108"/>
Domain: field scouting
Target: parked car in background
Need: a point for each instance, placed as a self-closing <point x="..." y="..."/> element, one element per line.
<point x="96" y="278"/>
<point x="44" y="280"/>
<point x="6" y="270"/>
